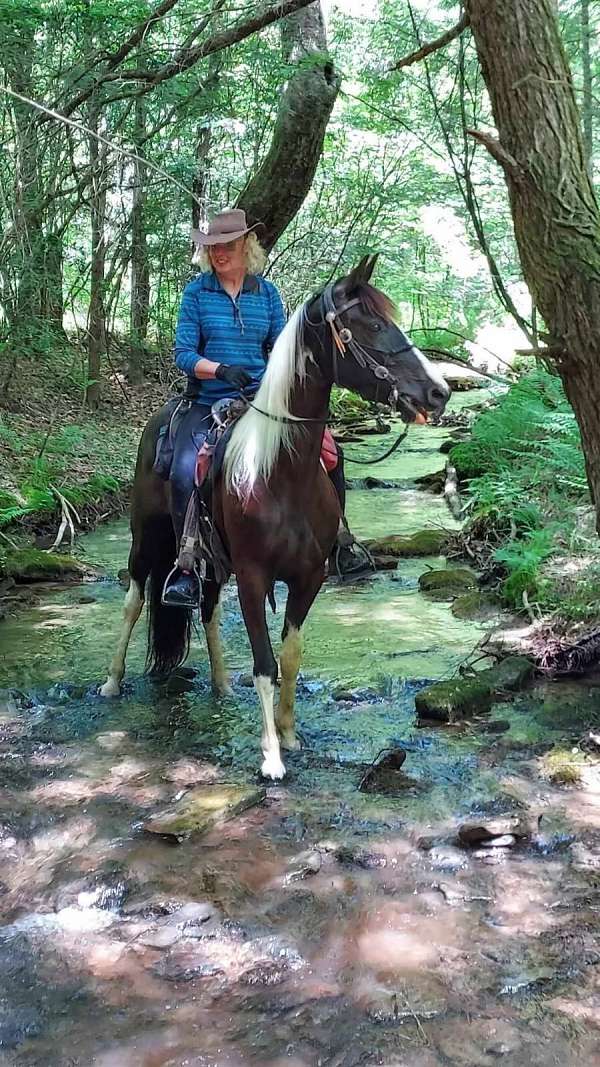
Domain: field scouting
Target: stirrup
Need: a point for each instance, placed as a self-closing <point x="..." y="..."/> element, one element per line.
<point x="173" y="570"/>
<point x="364" y="561"/>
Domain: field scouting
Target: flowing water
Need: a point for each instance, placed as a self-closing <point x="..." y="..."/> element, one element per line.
<point x="329" y="926"/>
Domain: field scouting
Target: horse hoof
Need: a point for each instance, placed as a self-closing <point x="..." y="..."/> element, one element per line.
<point x="290" y="742"/>
<point x="109" y="689"/>
<point x="272" y="767"/>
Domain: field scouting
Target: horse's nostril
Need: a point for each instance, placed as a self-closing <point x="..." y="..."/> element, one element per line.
<point x="437" y="395"/>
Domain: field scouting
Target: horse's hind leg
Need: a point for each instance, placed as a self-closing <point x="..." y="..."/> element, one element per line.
<point x="211" y="617"/>
<point x="300" y="600"/>
<point x="132" y="608"/>
<point x="252" y="591"/>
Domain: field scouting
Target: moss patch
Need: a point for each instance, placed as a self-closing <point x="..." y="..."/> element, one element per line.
<point x="447" y="583"/>
<point x="454" y="700"/>
<point x="32" y="565"/>
<point x="476" y="605"/>
<point x="422" y="543"/>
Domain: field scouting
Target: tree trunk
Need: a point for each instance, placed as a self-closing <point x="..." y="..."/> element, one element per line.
<point x="277" y="190"/>
<point x="96" y="315"/>
<point x="140" y="266"/>
<point x="555" y="213"/>
<point x="51" y="293"/>
<point x="586" y="68"/>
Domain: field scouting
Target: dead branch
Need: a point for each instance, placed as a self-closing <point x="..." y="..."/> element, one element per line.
<point x="497" y="151"/>
<point x="433" y="46"/>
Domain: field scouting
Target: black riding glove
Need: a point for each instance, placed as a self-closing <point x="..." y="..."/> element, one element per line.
<point x="235" y="376"/>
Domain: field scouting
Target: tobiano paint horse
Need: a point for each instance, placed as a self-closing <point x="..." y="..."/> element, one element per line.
<point x="273" y="504"/>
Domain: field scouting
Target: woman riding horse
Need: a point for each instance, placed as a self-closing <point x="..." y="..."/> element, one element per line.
<point x="229" y="320"/>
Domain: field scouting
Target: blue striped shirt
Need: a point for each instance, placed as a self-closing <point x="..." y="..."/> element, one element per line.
<point x="241" y="332"/>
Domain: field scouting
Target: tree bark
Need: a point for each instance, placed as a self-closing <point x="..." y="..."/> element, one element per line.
<point x="277" y="190"/>
<point x="96" y="314"/>
<point x="140" y="266"/>
<point x="586" y="68"/>
<point x="555" y="213"/>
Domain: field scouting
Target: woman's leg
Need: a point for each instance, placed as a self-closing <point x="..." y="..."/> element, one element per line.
<point x="182" y="588"/>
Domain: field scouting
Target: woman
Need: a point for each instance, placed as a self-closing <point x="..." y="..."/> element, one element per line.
<point x="229" y="320"/>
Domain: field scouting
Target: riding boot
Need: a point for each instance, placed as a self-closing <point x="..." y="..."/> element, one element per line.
<point x="349" y="557"/>
<point x="182" y="589"/>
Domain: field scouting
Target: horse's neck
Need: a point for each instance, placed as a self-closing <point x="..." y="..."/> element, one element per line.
<point x="310" y="401"/>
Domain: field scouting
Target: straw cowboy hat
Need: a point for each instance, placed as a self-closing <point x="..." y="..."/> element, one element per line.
<point x="226" y="226"/>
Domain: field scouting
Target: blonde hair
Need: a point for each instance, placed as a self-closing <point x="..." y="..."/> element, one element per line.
<point x="255" y="256"/>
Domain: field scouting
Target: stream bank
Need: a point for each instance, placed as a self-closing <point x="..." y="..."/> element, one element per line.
<point x="327" y="924"/>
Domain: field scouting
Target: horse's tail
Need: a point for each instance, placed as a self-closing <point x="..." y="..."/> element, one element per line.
<point x="169" y="628"/>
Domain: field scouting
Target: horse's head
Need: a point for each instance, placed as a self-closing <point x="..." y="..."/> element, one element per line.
<point x="362" y="348"/>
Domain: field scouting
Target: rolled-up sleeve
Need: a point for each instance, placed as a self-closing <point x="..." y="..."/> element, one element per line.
<point x="278" y="318"/>
<point x="188" y="334"/>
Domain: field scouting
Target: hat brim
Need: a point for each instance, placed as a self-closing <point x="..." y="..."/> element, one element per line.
<point x="206" y="239"/>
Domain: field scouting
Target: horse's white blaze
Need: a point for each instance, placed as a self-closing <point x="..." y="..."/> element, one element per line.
<point x="218" y="672"/>
<point x="432" y="372"/>
<point x="256" y="440"/>
<point x="134" y="602"/>
<point x="290" y="659"/>
<point x="272" y="766"/>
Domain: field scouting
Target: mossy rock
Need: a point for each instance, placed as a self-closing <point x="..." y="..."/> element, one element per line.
<point x="456" y="699"/>
<point x="422" y="543"/>
<point x="476" y="605"/>
<point x="447" y="582"/>
<point x="510" y="675"/>
<point x="32" y="565"/>
<point x="204" y="807"/>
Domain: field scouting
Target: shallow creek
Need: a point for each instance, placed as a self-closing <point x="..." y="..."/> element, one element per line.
<point x="326" y="926"/>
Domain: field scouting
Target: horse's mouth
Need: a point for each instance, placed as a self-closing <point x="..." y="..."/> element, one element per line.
<point x="408" y="410"/>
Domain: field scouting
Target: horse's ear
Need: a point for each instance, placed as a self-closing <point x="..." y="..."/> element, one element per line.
<point x="361" y="274"/>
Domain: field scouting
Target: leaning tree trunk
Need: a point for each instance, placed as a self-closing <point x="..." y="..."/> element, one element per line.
<point x="555" y="213"/>
<point x="586" y="70"/>
<point x="277" y="190"/>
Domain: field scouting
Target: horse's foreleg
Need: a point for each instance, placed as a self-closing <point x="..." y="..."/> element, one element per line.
<point x="211" y="617"/>
<point x="299" y="603"/>
<point x="134" y="602"/>
<point x="252" y="591"/>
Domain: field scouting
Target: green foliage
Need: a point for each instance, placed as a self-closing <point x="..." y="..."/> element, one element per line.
<point x="523" y="560"/>
<point x="346" y="406"/>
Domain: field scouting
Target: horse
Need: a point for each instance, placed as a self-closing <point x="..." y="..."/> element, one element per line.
<point x="273" y="504"/>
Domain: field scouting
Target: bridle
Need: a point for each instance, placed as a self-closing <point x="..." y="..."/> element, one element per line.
<point x="344" y="340"/>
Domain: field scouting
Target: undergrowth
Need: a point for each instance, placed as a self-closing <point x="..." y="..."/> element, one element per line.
<point x="526" y="481"/>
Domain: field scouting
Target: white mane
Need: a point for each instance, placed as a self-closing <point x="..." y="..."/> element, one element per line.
<point x="257" y="440"/>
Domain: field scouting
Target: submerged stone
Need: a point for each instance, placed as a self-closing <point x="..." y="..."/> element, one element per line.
<point x="202" y="808"/>
<point x="421" y="543"/>
<point x="501" y="831"/>
<point x="475" y="606"/>
<point x="454" y="700"/>
<point x="447" y="582"/>
<point x="385" y="776"/>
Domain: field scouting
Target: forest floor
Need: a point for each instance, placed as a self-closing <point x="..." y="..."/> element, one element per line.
<point x="50" y="442"/>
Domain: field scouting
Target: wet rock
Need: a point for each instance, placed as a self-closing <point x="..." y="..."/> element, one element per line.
<point x="421" y="543"/>
<point x="345" y="695"/>
<point x="492" y="831"/>
<point x="504" y="841"/>
<point x="495" y="726"/>
<point x="434" y="482"/>
<point x="453" y="700"/>
<point x="204" y="807"/>
<point x="447" y="582"/>
<point x="186" y="968"/>
<point x="32" y="565"/>
<point x="355" y="696"/>
<point x="303" y="866"/>
<point x="447" y="858"/>
<point x="508" y="676"/>
<point x="162" y="937"/>
<point x="123" y="576"/>
<point x="17" y="1025"/>
<point x="584" y="858"/>
<point x="246" y="680"/>
<point x="356" y="857"/>
<point x="383" y="776"/>
<point x="527" y="982"/>
<point x="476" y="605"/>
<point x="190" y="772"/>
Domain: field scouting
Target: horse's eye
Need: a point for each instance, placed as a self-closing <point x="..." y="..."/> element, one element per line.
<point x="376" y="327"/>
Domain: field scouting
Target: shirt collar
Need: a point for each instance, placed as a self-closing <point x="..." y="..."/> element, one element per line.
<point x="210" y="281"/>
